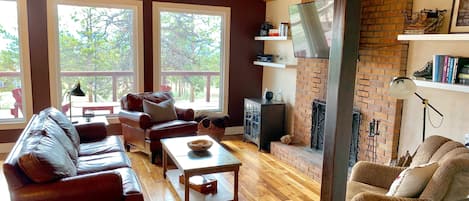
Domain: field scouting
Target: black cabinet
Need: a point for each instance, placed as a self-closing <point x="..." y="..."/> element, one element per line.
<point x="264" y="121"/>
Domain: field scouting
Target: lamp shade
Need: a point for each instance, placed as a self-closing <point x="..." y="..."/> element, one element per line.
<point x="402" y="87"/>
<point x="76" y="90"/>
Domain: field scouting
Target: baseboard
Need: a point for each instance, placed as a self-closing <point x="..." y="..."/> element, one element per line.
<point x="234" y="130"/>
<point x="6" y="147"/>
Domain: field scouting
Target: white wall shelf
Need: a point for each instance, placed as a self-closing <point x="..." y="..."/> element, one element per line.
<point x="271" y="38"/>
<point x="270" y="64"/>
<point x="433" y="37"/>
<point x="443" y="86"/>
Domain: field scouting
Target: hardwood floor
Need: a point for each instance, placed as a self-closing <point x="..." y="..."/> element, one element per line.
<point x="261" y="177"/>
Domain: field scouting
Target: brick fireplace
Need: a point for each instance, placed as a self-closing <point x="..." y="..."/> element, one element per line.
<point x="382" y="57"/>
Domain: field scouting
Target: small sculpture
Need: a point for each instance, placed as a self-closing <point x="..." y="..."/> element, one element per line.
<point x="286" y="139"/>
<point x="426" y="72"/>
<point x="424" y="21"/>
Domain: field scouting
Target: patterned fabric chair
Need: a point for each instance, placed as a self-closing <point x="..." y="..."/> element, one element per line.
<point x="449" y="182"/>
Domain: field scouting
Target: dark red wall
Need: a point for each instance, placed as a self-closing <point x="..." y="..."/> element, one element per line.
<point x="245" y="78"/>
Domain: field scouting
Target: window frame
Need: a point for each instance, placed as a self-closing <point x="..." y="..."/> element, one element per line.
<point x="52" y="27"/>
<point x="23" y="36"/>
<point x="224" y="12"/>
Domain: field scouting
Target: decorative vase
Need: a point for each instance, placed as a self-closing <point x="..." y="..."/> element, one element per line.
<point x="269" y="95"/>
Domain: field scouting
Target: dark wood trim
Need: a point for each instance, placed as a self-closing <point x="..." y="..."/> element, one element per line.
<point x="148" y="45"/>
<point x="38" y="52"/>
<point x="245" y="78"/>
<point x="8" y="136"/>
<point x="340" y="94"/>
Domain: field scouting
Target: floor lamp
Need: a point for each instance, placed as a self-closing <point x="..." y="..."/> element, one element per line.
<point x="403" y="88"/>
<point x="75" y="91"/>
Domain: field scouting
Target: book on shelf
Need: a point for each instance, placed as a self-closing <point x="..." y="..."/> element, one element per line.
<point x="436" y="62"/>
<point x="464" y="81"/>
<point x="449" y="74"/>
<point x="455" y="70"/>
<point x="464" y="70"/>
<point x="463" y="76"/>
<point x="446" y="68"/>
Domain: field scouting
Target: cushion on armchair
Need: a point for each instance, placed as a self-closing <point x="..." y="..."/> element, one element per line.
<point x="134" y="101"/>
<point x="412" y="181"/>
<point x="160" y="112"/>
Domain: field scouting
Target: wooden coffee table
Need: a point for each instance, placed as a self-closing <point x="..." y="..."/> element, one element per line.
<point x="216" y="160"/>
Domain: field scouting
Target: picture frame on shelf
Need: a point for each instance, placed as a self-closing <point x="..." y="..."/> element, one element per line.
<point x="460" y="17"/>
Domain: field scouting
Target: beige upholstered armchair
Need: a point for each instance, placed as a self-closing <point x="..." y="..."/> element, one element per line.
<point x="450" y="181"/>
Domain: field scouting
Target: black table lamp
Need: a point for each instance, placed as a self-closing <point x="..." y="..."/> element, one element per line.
<point x="403" y="88"/>
<point x="75" y="91"/>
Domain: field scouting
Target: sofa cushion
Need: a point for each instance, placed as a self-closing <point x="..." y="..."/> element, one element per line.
<point x="52" y="129"/>
<point x="160" y="112"/>
<point x="412" y="181"/>
<point x="171" y="129"/>
<point x="44" y="159"/>
<point x="101" y="162"/>
<point x="65" y="124"/>
<point x="107" y="145"/>
<point x="354" y="188"/>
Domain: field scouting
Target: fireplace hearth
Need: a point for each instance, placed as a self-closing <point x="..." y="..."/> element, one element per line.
<point x="318" y="125"/>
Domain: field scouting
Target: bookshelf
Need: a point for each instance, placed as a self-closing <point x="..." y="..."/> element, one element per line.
<point x="437" y="37"/>
<point x="443" y="86"/>
<point x="270" y="64"/>
<point x="271" y="38"/>
<point x="433" y="37"/>
<point x="274" y="64"/>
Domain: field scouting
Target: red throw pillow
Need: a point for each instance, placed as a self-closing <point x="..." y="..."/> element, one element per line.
<point x="135" y="101"/>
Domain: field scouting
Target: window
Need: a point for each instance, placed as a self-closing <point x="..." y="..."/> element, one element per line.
<point x="15" y="106"/>
<point x="97" y="45"/>
<point x="191" y="57"/>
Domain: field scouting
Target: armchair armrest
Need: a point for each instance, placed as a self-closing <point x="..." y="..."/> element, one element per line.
<point x="449" y="180"/>
<point x="91" y="131"/>
<point x="135" y="119"/>
<point x="375" y="174"/>
<point x="366" y="196"/>
<point x="185" y="114"/>
<point x="104" y="186"/>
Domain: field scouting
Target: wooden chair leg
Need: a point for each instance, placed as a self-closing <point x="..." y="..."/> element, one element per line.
<point x="153" y="156"/>
<point x="127" y="147"/>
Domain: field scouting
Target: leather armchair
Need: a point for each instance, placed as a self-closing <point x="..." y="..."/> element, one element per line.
<point x="141" y="132"/>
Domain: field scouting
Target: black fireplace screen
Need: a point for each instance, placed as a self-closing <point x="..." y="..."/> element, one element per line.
<point x="317" y="130"/>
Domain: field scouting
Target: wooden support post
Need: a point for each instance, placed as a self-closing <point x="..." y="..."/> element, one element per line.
<point x="340" y="94"/>
<point x="148" y="46"/>
<point x="39" y="58"/>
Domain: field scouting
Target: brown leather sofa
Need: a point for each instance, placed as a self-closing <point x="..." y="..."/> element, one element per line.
<point x="141" y="132"/>
<point x="55" y="161"/>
